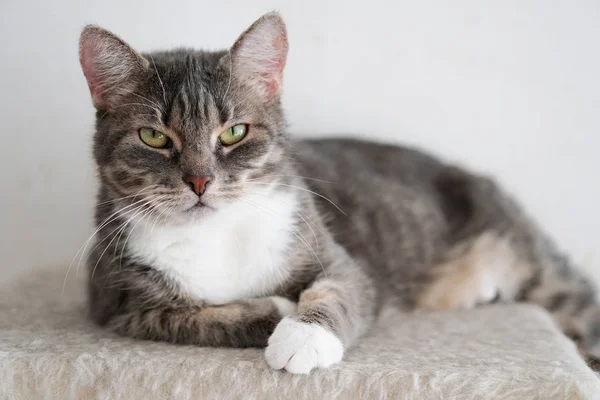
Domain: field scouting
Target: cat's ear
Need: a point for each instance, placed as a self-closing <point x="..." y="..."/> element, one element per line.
<point x="109" y="64"/>
<point x="258" y="56"/>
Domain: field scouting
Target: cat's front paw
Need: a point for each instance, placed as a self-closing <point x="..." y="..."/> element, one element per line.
<point x="299" y="347"/>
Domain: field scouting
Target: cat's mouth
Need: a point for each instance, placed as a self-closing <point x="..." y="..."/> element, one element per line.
<point x="199" y="205"/>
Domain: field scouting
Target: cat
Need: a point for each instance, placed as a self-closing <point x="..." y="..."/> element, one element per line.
<point x="216" y="228"/>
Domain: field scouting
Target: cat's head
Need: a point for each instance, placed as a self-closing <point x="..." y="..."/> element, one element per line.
<point x="187" y="131"/>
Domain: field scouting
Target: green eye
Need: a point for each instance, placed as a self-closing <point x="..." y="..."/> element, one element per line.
<point x="233" y="135"/>
<point x="154" y="138"/>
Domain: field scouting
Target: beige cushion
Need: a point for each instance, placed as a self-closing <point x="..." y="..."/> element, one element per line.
<point x="48" y="349"/>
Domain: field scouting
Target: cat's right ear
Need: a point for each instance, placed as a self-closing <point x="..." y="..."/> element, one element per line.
<point x="110" y="66"/>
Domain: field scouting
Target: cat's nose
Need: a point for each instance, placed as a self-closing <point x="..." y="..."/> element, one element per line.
<point x="198" y="183"/>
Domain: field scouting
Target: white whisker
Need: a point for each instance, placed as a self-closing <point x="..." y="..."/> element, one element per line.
<point x="83" y="247"/>
<point x="154" y="103"/>
<point x="127" y="197"/>
<point x="130" y="104"/>
<point x="151" y="208"/>
<point x="298" y="234"/>
<point x="230" y="75"/>
<point x="160" y="80"/>
<point x="160" y="213"/>
<point x="114" y="237"/>
<point x="296" y="176"/>
<point x="104" y="223"/>
<point x="311" y="229"/>
<point x="303" y="189"/>
<point x="120" y="233"/>
<point x="116" y="231"/>
<point x="301" y="214"/>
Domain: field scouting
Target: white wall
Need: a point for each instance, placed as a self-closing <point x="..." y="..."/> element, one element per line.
<point x="510" y="87"/>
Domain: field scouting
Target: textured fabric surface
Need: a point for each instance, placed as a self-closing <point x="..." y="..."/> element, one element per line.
<point x="48" y="349"/>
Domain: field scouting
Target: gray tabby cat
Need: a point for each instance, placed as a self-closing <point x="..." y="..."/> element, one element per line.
<point x="218" y="229"/>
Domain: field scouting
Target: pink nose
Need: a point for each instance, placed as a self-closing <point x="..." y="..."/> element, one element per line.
<point x="198" y="183"/>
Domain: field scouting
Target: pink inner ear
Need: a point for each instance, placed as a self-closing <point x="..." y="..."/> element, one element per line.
<point x="87" y="58"/>
<point x="272" y="86"/>
<point x="260" y="55"/>
<point x="273" y="77"/>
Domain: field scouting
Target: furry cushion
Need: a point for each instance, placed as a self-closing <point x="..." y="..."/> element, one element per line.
<point x="48" y="349"/>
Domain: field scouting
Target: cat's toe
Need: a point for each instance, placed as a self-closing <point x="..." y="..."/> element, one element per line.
<point x="299" y="347"/>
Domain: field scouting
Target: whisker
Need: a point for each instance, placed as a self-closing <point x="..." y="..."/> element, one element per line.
<point x="126" y="197"/>
<point x="230" y="76"/>
<point x="122" y="230"/>
<point x="83" y="247"/>
<point x="120" y="233"/>
<point x="151" y="208"/>
<point x="135" y="210"/>
<point x="298" y="235"/>
<point x="297" y="176"/>
<point x="115" y="231"/>
<point x="129" y="104"/>
<point x="114" y="237"/>
<point x="301" y="214"/>
<point x="107" y="221"/>
<point x="154" y="103"/>
<point x="160" y="213"/>
<point x="303" y="189"/>
<point x="160" y="80"/>
<point x="311" y="229"/>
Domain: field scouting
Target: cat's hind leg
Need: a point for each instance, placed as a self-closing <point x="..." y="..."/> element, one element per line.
<point x="483" y="271"/>
<point x="498" y="254"/>
<point x="493" y="268"/>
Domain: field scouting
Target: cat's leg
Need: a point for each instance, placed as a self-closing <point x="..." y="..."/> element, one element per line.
<point x="246" y="323"/>
<point x="499" y="253"/>
<point x="478" y="271"/>
<point x="508" y="268"/>
<point x="493" y="267"/>
<point x="139" y="302"/>
<point x="333" y="312"/>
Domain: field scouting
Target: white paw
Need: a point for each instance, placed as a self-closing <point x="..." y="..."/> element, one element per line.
<point x="299" y="347"/>
<point x="284" y="306"/>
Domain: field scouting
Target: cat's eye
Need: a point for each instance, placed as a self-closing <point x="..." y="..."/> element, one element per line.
<point x="233" y="135"/>
<point x="154" y="138"/>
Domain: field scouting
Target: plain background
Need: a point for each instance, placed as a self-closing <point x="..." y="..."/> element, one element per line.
<point x="508" y="87"/>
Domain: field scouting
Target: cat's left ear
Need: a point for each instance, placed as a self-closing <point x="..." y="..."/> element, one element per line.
<point x="259" y="55"/>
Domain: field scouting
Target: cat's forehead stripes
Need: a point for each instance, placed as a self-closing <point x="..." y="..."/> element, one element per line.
<point x="198" y="108"/>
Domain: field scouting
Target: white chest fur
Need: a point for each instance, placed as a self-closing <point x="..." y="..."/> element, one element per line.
<point x="235" y="253"/>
